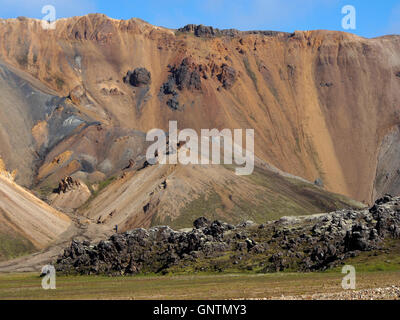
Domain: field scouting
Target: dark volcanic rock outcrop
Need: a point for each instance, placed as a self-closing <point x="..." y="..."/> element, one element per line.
<point x="294" y="243"/>
<point x="66" y="185"/>
<point x="210" y="32"/>
<point x="228" y="76"/>
<point x="184" y="76"/>
<point x="207" y="31"/>
<point x="138" y="78"/>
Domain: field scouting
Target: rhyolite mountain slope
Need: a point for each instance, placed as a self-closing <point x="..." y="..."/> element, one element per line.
<point x="77" y="102"/>
<point x="176" y="195"/>
<point x="27" y="224"/>
<point x="323" y="104"/>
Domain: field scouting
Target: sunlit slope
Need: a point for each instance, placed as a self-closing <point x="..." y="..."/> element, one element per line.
<point x="26" y="223"/>
<point x="177" y="195"/>
<point x="321" y="102"/>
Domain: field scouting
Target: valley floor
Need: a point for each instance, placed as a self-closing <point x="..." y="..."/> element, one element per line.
<point x="326" y="285"/>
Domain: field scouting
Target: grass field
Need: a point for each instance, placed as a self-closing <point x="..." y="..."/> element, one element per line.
<point x="13" y="246"/>
<point x="28" y="286"/>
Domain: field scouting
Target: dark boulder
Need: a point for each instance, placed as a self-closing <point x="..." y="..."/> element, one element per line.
<point x="358" y="238"/>
<point x="138" y="78"/>
<point x="201" y="222"/>
<point x="186" y="75"/>
<point x="216" y="229"/>
<point x="250" y="244"/>
<point x="319" y="183"/>
<point x="169" y="87"/>
<point x="385" y="199"/>
<point x="228" y="76"/>
<point x="173" y="103"/>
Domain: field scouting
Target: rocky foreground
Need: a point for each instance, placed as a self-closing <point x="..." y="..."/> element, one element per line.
<point x="307" y="243"/>
<point x="388" y="293"/>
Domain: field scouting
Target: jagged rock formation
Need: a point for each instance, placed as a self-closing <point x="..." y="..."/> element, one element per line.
<point x="227" y="77"/>
<point x="70" y="194"/>
<point x="67" y="184"/>
<point x="207" y="31"/>
<point x="139" y="77"/>
<point x="210" y="32"/>
<point x="303" y="243"/>
<point x="184" y="76"/>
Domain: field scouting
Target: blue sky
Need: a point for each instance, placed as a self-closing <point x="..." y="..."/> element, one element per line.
<point x="374" y="18"/>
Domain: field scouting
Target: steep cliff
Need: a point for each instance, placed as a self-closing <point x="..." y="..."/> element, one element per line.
<point x="320" y="102"/>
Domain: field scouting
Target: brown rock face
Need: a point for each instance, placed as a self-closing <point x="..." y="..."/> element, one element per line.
<point x="320" y="102"/>
<point x="228" y="76"/>
<point x="24" y="217"/>
<point x="77" y="94"/>
<point x="70" y="195"/>
<point x="67" y="184"/>
<point x="5" y="173"/>
<point x="387" y="180"/>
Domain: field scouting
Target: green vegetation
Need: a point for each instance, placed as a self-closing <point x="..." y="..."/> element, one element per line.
<point x="277" y="196"/>
<point x="286" y="196"/>
<point x="206" y="205"/>
<point x="250" y="72"/>
<point x="269" y="81"/>
<point x="12" y="246"/>
<point x="184" y="34"/>
<point x="377" y="261"/>
<point x="43" y="191"/>
<point x="102" y="185"/>
<point x="242" y="262"/>
<point x="243" y="286"/>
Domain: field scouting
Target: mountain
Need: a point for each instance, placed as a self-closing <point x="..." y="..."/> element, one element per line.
<point x="27" y="224"/>
<point x="324" y="104"/>
<point x="177" y="195"/>
<point x="76" y="104"/>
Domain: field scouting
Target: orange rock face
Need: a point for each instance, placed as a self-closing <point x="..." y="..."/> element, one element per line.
<point x="321" y="102"/>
